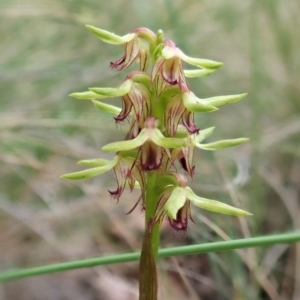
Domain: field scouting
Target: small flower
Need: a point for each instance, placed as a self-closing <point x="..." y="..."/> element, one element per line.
<point x="168" y="67"/>
<point x="137" y="44"/>
<point x="185" y="157"/>
<point x="185" y="154"/>
<point x="180" y="107"/>
<point x="135" y="97"/>
<point x="135" y="50"/>
<point x="137" y="102"/>
<point x="126" y="170"/>
<point x="188" y="122"/>
<point x="151" y="145"/>
<point x="175" y="200"/>
<point x="173" y="114"/>
<point x="196" y="140"/>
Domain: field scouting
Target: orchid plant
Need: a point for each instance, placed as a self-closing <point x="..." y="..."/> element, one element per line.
<point x="162" y="136"/>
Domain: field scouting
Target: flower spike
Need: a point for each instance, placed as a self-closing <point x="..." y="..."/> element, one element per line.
<point x="159" y="107"/>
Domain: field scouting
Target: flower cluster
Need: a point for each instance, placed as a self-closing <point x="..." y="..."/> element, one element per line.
<point x="160" y="107"/>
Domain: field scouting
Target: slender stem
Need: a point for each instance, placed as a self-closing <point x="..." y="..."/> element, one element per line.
<point x="151" y="204"/>
<point x="148" y="285"/>
<point x="261" y="241"/>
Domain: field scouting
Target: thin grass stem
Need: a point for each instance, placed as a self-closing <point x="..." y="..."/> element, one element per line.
<point x="261" y="241"/>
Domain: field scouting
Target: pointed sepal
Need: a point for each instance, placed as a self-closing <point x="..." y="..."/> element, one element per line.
<point x="110" y="37"/>
<point x="203" y="134"/>
<point x="127" y="145"/>
<point x="88" y="95"/>
<point x="222" y="144"/>
<point x="214" y="206"/>
<point x="87" y="173"/>
<point x="122" y="90"/>
<point x="111" y="109"/>
<point x="194" y="104"/>
<point x="159" y="139"/>
<point x="198" y="73"/>
<point x="221" y="100"/>
<point x="96" y="162"/>
<point x="201" y="63"/>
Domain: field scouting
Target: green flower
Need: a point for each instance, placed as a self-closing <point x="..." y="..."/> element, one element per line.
<point x="127" y="171"/>
<point x="137" y="46"/>
<point x="175" y="201"/>
<point x="135" y="95"/>
<point x="151" y="145"/>
<point x="168" y="67"/>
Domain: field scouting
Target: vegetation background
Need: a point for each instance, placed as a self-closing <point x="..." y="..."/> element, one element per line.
<point x="47" y="53"/>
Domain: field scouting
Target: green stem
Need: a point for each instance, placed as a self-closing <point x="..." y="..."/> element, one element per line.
<point x="151" y="204"/>
<point x="262" y="241"/>
<point x="148" y="285"/>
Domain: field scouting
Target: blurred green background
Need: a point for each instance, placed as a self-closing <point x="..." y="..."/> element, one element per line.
<point x="47" y="53"/>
